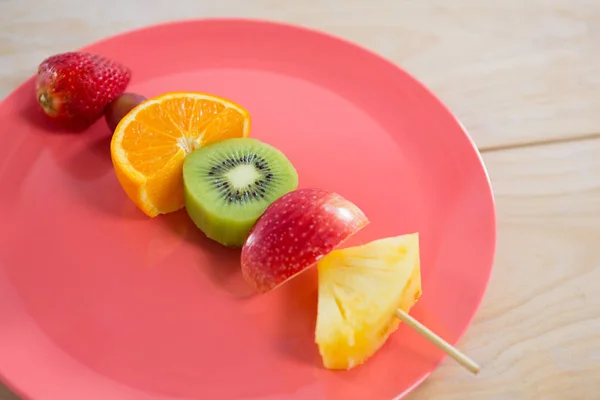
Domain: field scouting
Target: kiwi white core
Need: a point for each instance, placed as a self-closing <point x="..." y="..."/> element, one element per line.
<point x="242" y="175"/>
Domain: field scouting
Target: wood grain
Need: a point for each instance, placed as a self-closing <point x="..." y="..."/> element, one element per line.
<point x="537" y="335"/>
<point x="514" y="72"/>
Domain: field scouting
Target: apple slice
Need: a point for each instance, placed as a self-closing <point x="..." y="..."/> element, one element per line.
<point x="295" y="232"/>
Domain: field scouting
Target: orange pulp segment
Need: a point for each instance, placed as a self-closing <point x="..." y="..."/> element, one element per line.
<point x="151" y="142"/>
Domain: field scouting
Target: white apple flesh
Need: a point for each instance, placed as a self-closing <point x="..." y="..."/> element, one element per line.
<point x="294" y="232"/>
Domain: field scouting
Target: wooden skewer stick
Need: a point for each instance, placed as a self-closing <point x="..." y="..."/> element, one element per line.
<point x="438" y="341"/>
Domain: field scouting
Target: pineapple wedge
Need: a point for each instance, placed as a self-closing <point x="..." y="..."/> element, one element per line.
<point x="359" y="290"/>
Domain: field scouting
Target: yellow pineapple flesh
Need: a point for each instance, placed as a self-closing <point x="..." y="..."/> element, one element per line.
<point x="359" y="290"/>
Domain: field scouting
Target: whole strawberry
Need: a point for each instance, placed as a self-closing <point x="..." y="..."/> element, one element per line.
<point x="74" y="88"/>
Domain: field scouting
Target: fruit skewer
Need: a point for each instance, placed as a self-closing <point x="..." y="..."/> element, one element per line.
<point x="293" y="234"/>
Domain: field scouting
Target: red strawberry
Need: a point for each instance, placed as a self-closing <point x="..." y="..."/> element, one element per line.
<point x="74" y="88"/>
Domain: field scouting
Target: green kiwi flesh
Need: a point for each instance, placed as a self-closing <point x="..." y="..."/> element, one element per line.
<point x="230" y="183"/>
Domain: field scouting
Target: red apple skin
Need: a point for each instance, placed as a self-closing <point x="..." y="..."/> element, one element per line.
<point x="294" y="232"/>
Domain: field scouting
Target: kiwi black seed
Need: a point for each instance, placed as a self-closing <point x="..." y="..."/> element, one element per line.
<point x="229" y="184"/>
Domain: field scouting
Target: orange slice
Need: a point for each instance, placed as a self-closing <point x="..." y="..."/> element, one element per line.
<point x="151" y="142"/>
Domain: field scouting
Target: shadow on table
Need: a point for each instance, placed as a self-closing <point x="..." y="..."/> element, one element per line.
<point x="6" y="394"/>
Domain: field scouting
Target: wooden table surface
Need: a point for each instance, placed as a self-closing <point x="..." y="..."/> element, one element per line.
<point x="524" y="78"/>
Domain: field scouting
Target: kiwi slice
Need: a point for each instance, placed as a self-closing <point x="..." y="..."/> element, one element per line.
<point x="229" y="184"/>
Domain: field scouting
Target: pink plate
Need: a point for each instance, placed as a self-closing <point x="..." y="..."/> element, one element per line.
<point x="99" y="302"/>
